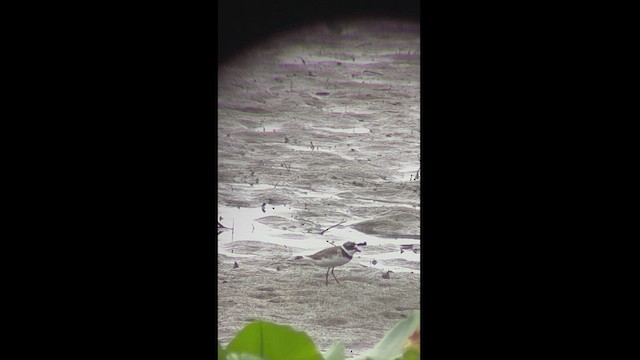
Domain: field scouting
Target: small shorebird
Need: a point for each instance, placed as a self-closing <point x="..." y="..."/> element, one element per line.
<point x="332" y="257"/>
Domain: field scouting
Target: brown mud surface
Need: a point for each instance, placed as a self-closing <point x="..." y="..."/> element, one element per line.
<point x="357" y="311"/>
<point x="318" y="128"/>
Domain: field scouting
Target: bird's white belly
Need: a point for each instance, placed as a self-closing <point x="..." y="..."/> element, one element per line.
<point x="330" y="262"/>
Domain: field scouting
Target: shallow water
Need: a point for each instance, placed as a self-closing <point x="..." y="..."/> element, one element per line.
<point x="247" y="227"/>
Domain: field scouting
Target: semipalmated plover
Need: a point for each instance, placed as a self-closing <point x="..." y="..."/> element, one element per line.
<point x="332" y="257"/>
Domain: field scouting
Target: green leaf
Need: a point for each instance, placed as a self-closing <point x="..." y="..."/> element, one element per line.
<point x="392" y="345"/>
<point x="243" y="356"/>
<point x="221" y="353"/>
<point x="273" y="342"/>
<point x="335" y="352"/>
<point x="411" y="354"/>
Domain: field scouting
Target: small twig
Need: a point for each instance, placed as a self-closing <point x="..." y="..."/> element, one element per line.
<point x="322" y="233"/>
<point x="304" y="62"/>
<point x="372" y="72"/>
<point x="363" y="44"/>
<point x="277" y="184"/>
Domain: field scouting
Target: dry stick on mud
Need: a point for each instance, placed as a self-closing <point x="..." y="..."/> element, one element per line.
<point x="322" y="233"/>
<point x="372" y="72"/>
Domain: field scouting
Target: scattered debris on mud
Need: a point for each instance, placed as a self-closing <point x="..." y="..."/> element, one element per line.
<point x="319" y="143"/>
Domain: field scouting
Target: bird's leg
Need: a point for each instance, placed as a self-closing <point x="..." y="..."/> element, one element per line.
<point x="334" y="276"/>
<point x="327" y="277"/>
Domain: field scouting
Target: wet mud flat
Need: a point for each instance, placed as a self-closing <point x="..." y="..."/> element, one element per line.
<point x="318" y="144"/>
<point x="357" y="311"/>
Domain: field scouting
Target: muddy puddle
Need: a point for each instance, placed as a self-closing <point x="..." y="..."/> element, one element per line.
<point x="319" y="144"/>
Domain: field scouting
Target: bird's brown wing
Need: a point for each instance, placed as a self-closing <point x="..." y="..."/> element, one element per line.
<point x="325" y="253"/>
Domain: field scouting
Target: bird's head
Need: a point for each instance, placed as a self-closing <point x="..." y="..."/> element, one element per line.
<point x="350" y="247"/>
